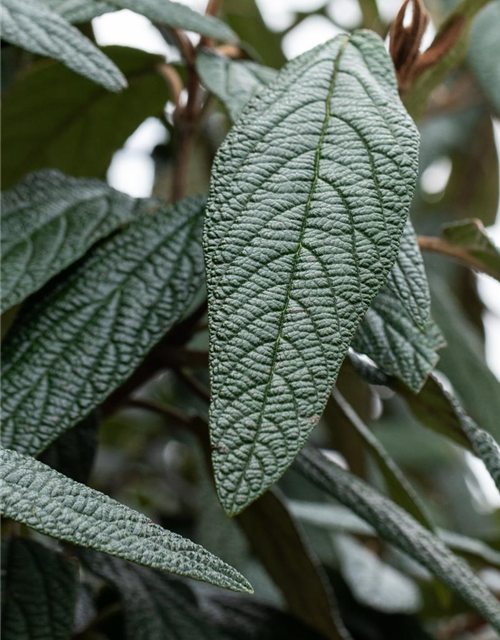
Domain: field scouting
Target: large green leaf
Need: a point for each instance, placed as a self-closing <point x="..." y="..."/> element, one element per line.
<point x="155" y="605"/>
<point x="471" y="244"/>
<point x="32" y="26"/>
<point x="55" y="119"/>
<point x="51" y="503"/>
<point x="234" y="82"/>
<point x="309" y="198"/>
<point x="49" y="221"/>
<point x="77" y="11"/>
<point x="40" y="592"/>
<point x="86" y="334"/>
<point x="397" y="331"/>
<point x="399" y="528"/>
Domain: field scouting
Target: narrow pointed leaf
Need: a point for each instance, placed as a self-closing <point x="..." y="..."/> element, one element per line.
<point x="397" y="332"/>
<point x="233" y="82"/>
<point x="83" y="336"/>
<point x="40" y="592"/>
<point x="309" y="197"/>
<point x="32" y="26"/>
<point x="77" y="11"/>
<point x="53" y="118"/>
<point x="396" y="526"/>
<point x="49" y="220"/>
<point x="51" y="503"/>
<point x="470" y="238"/>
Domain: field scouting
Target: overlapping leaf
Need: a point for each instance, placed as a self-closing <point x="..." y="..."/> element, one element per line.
<point x="55" y="119"/>
<point x="51" y="503"/>
<point x="32" y="26"/>
<point x="309" y="199"/>
<point x="470" y="239"/>
<point x="40" y="592"/>
<point x="86" y="334"/>
<point x="49" y="221"/>
<point x="397" y="527"/>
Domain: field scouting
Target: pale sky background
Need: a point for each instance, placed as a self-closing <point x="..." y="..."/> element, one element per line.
<point x="132" y="169"/>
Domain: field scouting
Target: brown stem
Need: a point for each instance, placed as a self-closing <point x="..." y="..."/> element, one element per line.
<point x="174" y="82"/>
<point x="443" y="247"/>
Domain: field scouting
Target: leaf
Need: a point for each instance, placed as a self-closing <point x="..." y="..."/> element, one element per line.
<point x="178" y="16"/>
<point x="56" y="119"/>
<point x="32" y="26"/>
<point x="40" y="592"/>
<point x="399" y="487"/>
<point x="304" y="190"/>
<point x="396" y="526"/>
<point x="77" y="11"/>
<point x="73" y="453"/>
<point x="336" y="518"/>
<point x="397" y="331"/>
<point x="234" y="82"/>
<point x="373" y="582"/>
<point x="54" y="505"/>
<point x="282" y="548"/>
<point x="86" y="334"/>
<point x="49" y="221"/>
<point x="470" y="239"/>
<point x="155" y="605"/>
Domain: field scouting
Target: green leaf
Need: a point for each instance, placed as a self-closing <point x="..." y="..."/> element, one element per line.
<point x="57" y="506"/>
<point x="77" y="11"/>
<point x="86" y="334"/>
<point x="336" y="518"/>
<point x="396" y="526"/>
<point x="280" y="545"/>
<point x="32" y="26"/>
<point x="49" y="220"/>
<point x="309" y="198"/>
<point x="53" y="118"/>
<point x="40" y="592"/>
<point x="397" y="331"/>
<point x="178" y="16"/>
<point x="399" y="487"/>
<point x="155" y="605"/>
<point x="473" y="245"/>
<point x="373" y="582"/>
<point x="234" y="82"/>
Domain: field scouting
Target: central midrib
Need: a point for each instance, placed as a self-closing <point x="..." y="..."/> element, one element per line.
<point x="296" y="257"/>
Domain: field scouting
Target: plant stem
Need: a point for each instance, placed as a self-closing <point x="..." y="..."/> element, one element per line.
<point x="443" y="247"/>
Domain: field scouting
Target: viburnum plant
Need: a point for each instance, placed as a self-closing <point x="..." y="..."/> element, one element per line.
<point x="267" y="337"/>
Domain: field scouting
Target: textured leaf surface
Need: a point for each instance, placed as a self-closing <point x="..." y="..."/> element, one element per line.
<point x="77" y="11"/>
<point x="51" y="503"/>
<point x="397" y="331"/>
<point x="49" y="221"/>
<point x="471" y="238"/>
<point x="83" y="336"/>
<point x="55" y="119"/>
<point x="40" y="592"/>
<point x="309" y="197"/>
<point x="32" y="26"/>
<point x="397" y="527"/>
<point x="234" y="82"/>
<point x="155" y="605"/>
<point x="373" y="582"/>
<point x="178" y="16"/>
<point x="399" y="487"/>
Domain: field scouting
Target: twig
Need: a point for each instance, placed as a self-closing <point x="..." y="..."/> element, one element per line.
<point x="174" y="82"/>
<point x="443" y="247"/>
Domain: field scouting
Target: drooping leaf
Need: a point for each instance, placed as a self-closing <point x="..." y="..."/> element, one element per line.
<point x="51" y="503"/>
<point x="234" y="82"/>
<point x="77" y="11"/>
<point x="470" y="238"/>
<point x="32" y="26"/>
<point x="309" y="199"/>
<point x="55" y="119"/>
<point x="49" y="221"/>
<point x="293" y="566"/>
<point x="373" y="582"/>
<point x="39" y="594"/>
<point x="397" y="331"/>
<point x="396" y="526"/>
<point x="73" y="453"/>
<point x="398" y="486"/>
<point x="84" y="335"/>
<point x="155" y="605"/>
<point x="335" y="518"/>
<point x="178" y="16"/>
